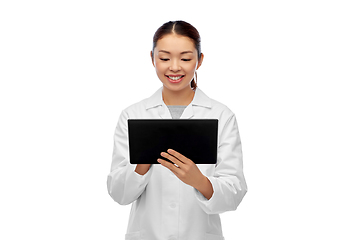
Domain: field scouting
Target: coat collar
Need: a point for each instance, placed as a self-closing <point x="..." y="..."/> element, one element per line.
<point x="156" y="100"/>
<point x="200" y="99"/>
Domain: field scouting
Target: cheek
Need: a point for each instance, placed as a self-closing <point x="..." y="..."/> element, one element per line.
<point x="160" y="67"/>
<point x="190" y="67"/>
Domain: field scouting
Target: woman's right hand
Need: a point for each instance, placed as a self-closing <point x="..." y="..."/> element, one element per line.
<point x="142" y="168"/>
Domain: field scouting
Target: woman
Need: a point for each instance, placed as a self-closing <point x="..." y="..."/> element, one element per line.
<point x="181" y="200"/>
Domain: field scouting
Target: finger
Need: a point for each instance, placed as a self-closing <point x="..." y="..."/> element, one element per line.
<point x="170" y="166"/>
<point x="179" y="156"/>
<point x="171" y="158"/>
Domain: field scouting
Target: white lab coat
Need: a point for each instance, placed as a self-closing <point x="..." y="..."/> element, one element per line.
<point x="163" y="207"/>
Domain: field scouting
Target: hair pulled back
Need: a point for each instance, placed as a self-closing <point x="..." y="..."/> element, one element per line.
<point x="181" y="28"/>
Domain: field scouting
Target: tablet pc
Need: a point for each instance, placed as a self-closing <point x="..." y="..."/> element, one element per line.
<point x="196" y="139"/>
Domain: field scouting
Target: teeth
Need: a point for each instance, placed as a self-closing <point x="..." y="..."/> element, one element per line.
<point x="175" y="78"/>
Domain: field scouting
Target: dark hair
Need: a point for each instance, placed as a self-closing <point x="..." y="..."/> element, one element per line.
<point x="180" y="28"/>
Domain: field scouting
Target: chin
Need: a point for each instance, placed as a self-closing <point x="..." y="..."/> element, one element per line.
<point x="178" y="87"/>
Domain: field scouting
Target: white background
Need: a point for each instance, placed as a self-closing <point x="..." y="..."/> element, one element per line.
<point x="288" y="69"/>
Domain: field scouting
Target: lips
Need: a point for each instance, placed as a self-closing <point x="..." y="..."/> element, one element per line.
<point x="175" y="78"/>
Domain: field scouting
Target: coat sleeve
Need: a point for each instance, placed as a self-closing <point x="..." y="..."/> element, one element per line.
<point x="123" y="183"/>
<point x="228" y="180"/>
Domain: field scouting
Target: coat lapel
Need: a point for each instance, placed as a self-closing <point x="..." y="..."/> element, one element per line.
<point x="164" y="112"/>
<point x="200" y="99"/>
<point x="188" y="112"/>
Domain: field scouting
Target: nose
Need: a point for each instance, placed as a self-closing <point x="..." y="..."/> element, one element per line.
<point x="175" y="66"/>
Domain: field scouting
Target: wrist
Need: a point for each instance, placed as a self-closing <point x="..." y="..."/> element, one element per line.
<point x="142" y="168"/>
<point x="205" y="187"/>
<point x="200" y="184"/>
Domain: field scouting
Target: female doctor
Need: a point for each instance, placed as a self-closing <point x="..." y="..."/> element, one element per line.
<point x="182" y="200"/>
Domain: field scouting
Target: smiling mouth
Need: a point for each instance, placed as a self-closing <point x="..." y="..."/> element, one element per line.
<point x="175" y="78"/>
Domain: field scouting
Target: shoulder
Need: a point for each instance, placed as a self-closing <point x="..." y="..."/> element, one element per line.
<point x="142" y="105"/>
<point x="135" y="107"/>
<point x="218" y="107"/>
<point x="221" y="107"/>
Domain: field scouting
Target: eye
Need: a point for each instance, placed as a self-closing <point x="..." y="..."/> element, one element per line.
<point x="186" y="59"/>
<point x="164" y="59"/>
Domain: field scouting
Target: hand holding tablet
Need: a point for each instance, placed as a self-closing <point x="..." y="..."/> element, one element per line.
<point x="187" y="171"/>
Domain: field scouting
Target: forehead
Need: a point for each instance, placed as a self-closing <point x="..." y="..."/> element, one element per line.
<point x="175" y="43"/>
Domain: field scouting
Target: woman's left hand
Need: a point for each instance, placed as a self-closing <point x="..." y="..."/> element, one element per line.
<point x="187" y="171"/>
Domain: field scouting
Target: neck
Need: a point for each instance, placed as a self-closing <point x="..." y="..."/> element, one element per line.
<point x="183" y="97"/>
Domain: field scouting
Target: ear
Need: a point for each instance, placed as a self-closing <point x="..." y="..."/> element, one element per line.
<point x="152" y="58"/>
<point x="200" y="61"/>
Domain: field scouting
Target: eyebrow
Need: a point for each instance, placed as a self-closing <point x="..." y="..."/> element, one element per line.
<point x="180" y="53"/>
